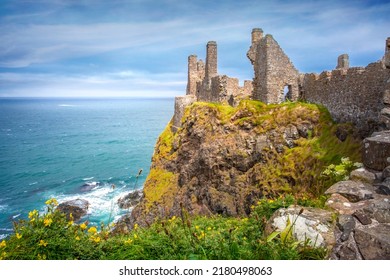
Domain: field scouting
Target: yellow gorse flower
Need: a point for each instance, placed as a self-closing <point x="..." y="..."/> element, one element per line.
<point x="47" y="222"/>
<point x="42" y="243"/>
<point x="3" y="244"/>
<point x="18" y="235"/>
<point x="135" y="236"/>
<point x="96" y="239"/>
<point x="52" y="201"/>
<point x="135" y="226"/>
<point x="33" y="214"/>
<point x="83" y="226"/>
<point x="129" y="241"/>
<point x="92" y="230"/>
<point x="77" y="238"/>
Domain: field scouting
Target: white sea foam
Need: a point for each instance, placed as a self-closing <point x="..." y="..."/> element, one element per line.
<point x="87" y="179"/>
<point x="15" y="216"/>
<point x="34" y="183"/>
<point x="3" y="236"/>
<point x="102" y="201"/>
<point x="3" y="207"/>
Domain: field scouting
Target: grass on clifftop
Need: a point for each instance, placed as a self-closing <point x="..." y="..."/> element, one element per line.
<point x="52" y="236"/>
<point x="297" y="170"/>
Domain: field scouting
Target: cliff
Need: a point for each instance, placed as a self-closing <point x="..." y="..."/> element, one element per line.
<point x="223" y="159"/>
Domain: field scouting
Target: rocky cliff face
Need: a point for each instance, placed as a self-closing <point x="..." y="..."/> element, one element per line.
<point x="223" y="159"/>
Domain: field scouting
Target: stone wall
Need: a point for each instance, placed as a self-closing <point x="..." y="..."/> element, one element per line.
<point x="276" y="78"/>
<point x="181" y="102"/>
<point x="351" y="95"/>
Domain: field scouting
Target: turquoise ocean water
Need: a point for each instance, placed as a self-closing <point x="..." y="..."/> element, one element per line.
<point x="52" y="147"/>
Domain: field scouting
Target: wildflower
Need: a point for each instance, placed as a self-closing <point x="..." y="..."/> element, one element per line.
<point x="18" y="236"/>
<point x="135" y="236"/>
<point x="270" y="200"/>
<point x="47" y="222"/>
<point x="32" y="214"/>
<point x="70" y="223"/>
<point x="42" y="243"/>
<point x="196" y="227"/>
<point x="92" y="230"/>
<point x="71" y="216"/>
<point x="83" y="226"/>
<point x="41" y="257"/>
<point x="129" y="241"/>
<point x="209" y="228"/>
<point x="95" y="239"/>
<point x="52" y="201"/>
<point x="77" y="238"/>
<point x="135" y="226"/>
<point x="3" y="244"/>
<point x="3" y="256"/>
<point x="252" y="207"/>
<point x="202" y="235"/>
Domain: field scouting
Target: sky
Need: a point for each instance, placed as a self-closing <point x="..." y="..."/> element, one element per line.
<point x="139" y="48"/>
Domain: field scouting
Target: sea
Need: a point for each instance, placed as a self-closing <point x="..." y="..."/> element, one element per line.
<point x="75" y="148"/>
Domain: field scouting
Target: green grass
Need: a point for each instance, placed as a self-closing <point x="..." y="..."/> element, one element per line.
<point x="52" y="236"/>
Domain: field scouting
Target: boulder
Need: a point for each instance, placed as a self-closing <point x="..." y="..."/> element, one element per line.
<point x="363" y="175"/>
<point x="346" y="224"/>
<point x="374" y="241"/>
<point x="376" y="150"/>
<point x="130" y="200"/>
<point x="77" y="207"/>
<point x="379" y="209"/>
<point x="353" y="191"/>
<point x="313" y="225"/>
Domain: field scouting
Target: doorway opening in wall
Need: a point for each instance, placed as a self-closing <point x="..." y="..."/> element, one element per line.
<point x="287" y="93"/>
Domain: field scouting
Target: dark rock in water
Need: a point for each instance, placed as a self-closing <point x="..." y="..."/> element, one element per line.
<point x="130" y="200"/>
<point x="77" y="207"/>
<point x="89" y="186"/>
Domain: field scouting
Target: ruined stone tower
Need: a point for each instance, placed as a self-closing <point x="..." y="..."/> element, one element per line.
<point x="276" y="78"/>
<point x="211" y="61"/>
<point x="343" y="62"/>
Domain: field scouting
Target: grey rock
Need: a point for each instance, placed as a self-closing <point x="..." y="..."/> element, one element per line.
<point x="130" y="200"/>
<point x="363" y="218"/>
<point x="346" y="224"/>
<point x="379" y="209"/>
<point x="353" y="191"/>
<point x="386" y="172"/>
<point x="383" y="189"/>
<point x="313" y="224"/>
<point x="77" y="207"/>
<point x="374" y="242"/>
<point x="348" y="250"/>
<point x="376" y="150"/>
<point x="363" y="175"/>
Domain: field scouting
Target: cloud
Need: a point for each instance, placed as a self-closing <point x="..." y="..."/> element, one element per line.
<point x="137" y="45"/>
<point x="115" y="84"/>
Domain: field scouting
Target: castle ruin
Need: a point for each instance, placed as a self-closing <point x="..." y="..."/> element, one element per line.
<point x="360" y="95"/>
